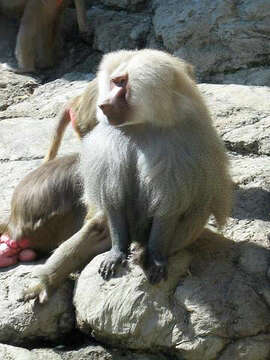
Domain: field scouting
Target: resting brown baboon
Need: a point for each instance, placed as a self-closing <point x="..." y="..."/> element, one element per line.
<point x="81" y="112"/>
<point x="45" y="211"/>
<point x="38" y="36"/>
<point x="154" y="164"/>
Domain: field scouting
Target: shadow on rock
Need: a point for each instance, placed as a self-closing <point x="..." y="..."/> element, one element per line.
<point x="8" y="32"/>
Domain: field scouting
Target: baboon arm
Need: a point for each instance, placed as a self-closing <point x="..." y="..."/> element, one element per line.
<point x="70" y="256"/>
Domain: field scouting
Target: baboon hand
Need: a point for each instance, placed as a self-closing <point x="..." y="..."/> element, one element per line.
<point x="38" y="289"/>
<point x="111" y="262"/>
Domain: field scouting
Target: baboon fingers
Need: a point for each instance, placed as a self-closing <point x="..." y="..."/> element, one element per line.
<point x="38" y="293"/>
<point x="39" y="290"/>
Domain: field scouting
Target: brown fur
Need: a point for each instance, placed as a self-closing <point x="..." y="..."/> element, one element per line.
<point x="38" y="38"/>
<point x="46" y="207"/>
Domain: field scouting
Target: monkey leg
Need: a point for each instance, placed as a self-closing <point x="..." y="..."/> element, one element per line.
<point x="157" y="250"/>
<point x="81" y="16"/>
<point x="120" y="242"/>
<point x="169" y="236"/>
<point x="70" y="256"/>
<point x="26" y="39"/>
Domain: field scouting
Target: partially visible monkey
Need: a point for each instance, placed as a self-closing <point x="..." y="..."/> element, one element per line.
<point x="45" y="210"/>
<point x="154" y="164"/>
<point x="38" y="36"/>
<point x="81" y="113"/>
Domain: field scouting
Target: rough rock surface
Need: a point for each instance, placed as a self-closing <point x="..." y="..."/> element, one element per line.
<point x="129" y="30"/>
<point x="216" y="293"/>
<point x="93" y="351"/>
<point x="217" y="36"/>
<point x="23" y="323"/>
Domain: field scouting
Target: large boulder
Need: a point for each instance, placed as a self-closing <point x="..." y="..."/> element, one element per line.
<point x="217" y="292"/>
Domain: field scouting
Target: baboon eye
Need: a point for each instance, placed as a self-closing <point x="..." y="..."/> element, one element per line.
<point x="120" y="81"/>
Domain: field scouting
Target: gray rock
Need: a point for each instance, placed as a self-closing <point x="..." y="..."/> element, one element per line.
<point x="118" y="30"/>
<point x="255" y="348"/>
<point x="138" y="311"/>
<point x="251" y="212"/>
<point x="258" y="76"/>
<point x="9" y="352"/>
<point x="241" y="115"/>
<point x="23" y="323"/>
<point x="48" y="99"/>
<point x="33" y="140"/>
<point x="15" y="88"/>
<point x="125" y="4"/>
<point x="216" y="36"/>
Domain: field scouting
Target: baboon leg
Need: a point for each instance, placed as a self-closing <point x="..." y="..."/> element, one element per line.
<point x="70" y="256"/>
<point x="26" y="39"/>
<point x="81" y="16"/>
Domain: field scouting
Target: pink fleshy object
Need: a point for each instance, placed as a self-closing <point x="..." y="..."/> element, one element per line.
<point x="11" y="251"/>
<point x="12" y="244"/>
<point x="8" y="261"/>
<point x="15" y="244"/>
<point x="27" y="255"/>
<point x="24" y="243"/>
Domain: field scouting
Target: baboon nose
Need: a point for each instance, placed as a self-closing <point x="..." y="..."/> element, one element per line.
<point x="106" y="108"/>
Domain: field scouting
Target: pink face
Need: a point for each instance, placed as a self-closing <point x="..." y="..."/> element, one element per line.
<point x="116" y="107"/>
